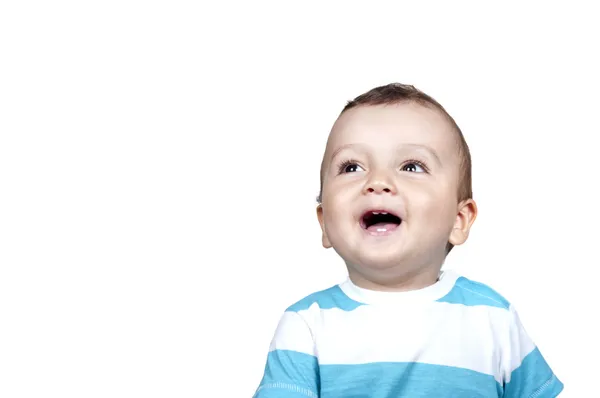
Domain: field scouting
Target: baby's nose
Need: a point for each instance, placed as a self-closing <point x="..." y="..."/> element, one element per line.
<point x="379" y="185"/>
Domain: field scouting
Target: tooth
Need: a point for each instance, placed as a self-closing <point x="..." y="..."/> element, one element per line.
<point x="384" y="212"/>
<point x="375" y="212"/>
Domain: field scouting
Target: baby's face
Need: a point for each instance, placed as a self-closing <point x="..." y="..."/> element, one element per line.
<point x="390" y="183"/>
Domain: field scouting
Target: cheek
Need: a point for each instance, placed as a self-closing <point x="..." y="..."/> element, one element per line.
<point x="339" y="196"/>
<point x="336" y="215"/>
<point x="434" y="204"/>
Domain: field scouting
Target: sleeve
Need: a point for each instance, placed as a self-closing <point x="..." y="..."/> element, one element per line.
<point x="527" y="374"/>
<point x="292" y="369"/>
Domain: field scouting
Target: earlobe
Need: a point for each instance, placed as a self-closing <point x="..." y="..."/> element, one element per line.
<point x="465" y="217"/>
<point x="325" y="239"/>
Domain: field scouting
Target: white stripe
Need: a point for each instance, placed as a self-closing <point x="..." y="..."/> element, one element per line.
<point x="517" y="345"/>
<point x="485" y="339"/>
<point x="471" y="337"/>
<point x="293" y="334"/>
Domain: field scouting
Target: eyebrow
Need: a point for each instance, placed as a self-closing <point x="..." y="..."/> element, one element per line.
<point x="426" y="149"/>
<point x="340" y="149"/>
<point x="421" y="147"/>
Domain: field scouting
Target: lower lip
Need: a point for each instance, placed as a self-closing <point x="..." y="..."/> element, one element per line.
<point x="384" y="231"/>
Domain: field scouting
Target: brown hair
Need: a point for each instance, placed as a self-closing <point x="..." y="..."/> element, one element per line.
<point x="396" y="93"/>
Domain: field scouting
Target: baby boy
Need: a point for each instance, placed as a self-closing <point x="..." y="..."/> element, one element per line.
<point x="395" y="199"/>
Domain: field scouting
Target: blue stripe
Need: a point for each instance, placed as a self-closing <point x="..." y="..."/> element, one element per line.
<point x="412" y="379"/>
<point x="533" y="378"/>
<point x="330" y="298"/>
<point x="289" y="374"/>
<point x="467" y="292"/>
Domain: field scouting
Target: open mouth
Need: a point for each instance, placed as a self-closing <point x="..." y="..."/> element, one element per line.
<point x="379" y="221"/>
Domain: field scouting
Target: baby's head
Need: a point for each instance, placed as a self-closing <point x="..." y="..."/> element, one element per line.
<point x="395" y="186"/>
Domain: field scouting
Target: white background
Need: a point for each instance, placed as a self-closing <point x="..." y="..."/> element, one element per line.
<point x="159" y="166"/>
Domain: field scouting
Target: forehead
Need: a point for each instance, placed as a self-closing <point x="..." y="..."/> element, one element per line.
<point x="390" y="126"/>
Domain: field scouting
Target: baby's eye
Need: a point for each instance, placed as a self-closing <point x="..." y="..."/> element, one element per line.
<point x="413" y="168"/>
<point x="350" y="167"/>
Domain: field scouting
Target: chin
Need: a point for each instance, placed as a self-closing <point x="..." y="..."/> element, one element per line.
<point x="380" y="261"/>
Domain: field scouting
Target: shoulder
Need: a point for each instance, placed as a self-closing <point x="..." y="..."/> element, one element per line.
<point x="471" y="293"/>
<point x="301" y="321"/>
<point x="326" y="299"/>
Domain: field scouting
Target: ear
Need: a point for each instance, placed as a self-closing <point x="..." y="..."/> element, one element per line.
<point x="467" y="213"/>
<point x="325" y="239"/>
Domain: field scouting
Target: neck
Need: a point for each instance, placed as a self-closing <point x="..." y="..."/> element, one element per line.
<point x="396" y="281"/>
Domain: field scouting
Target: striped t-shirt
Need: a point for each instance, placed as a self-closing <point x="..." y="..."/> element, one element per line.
<point x="456" y="338"/>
